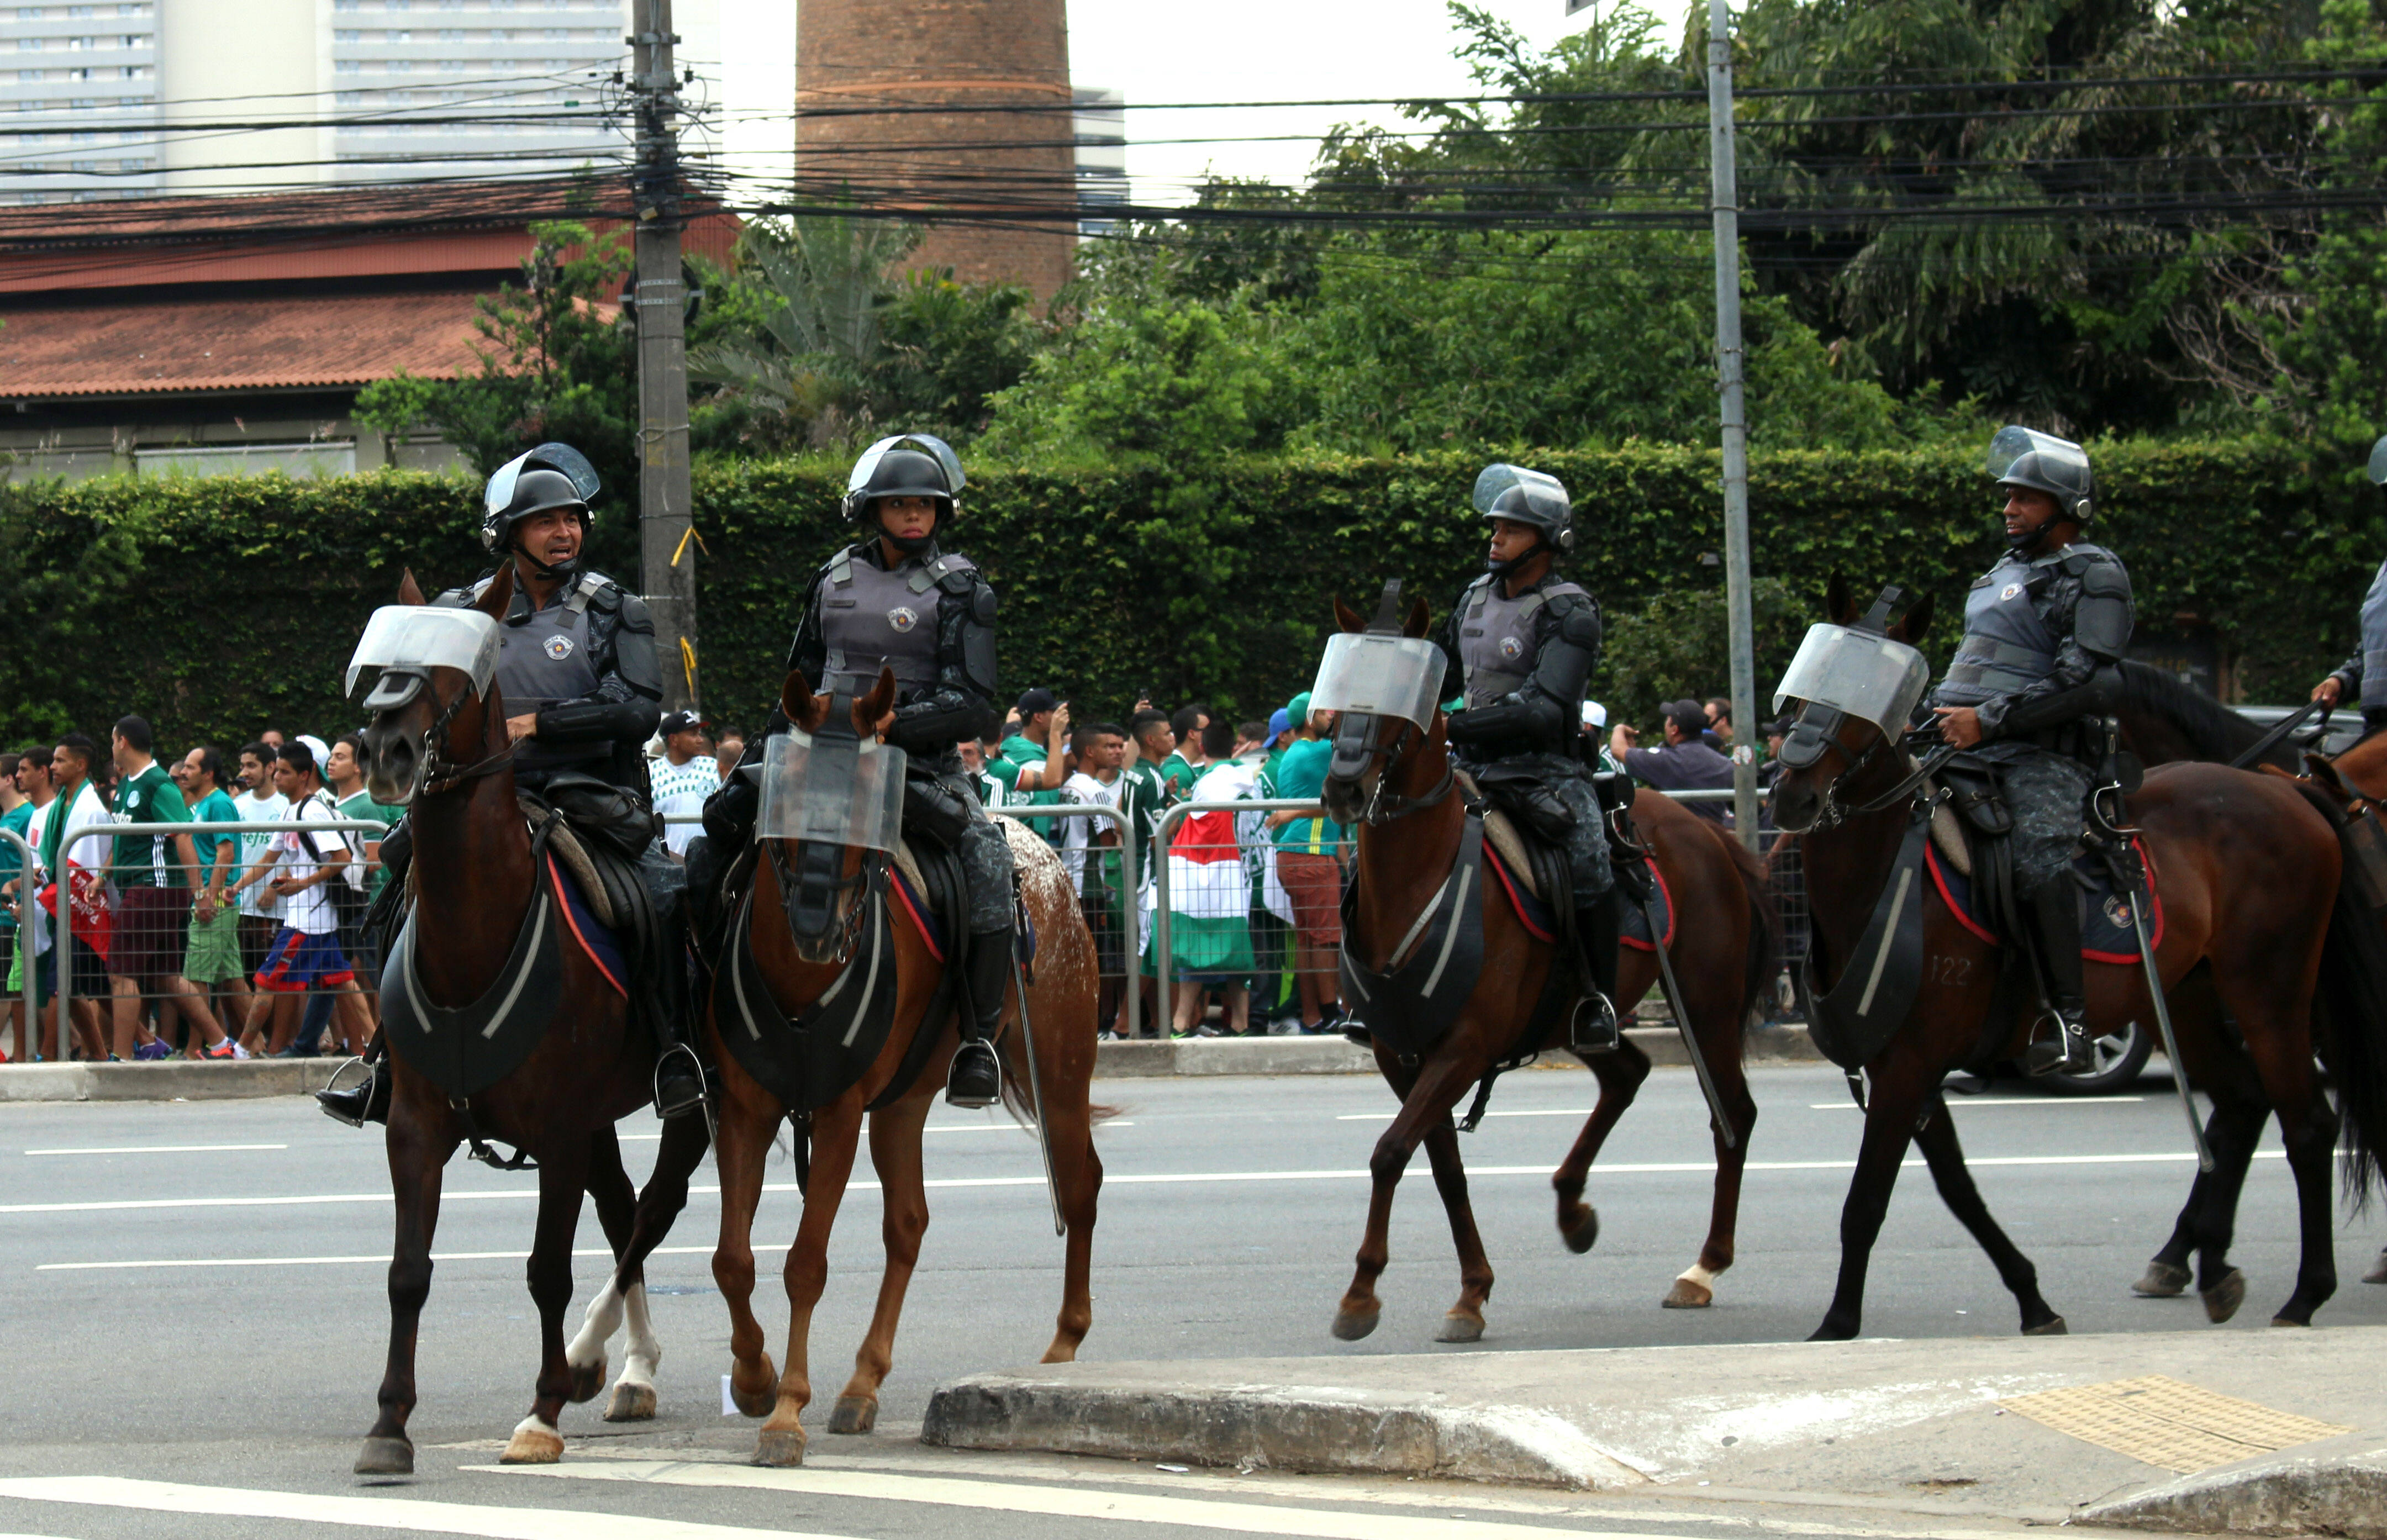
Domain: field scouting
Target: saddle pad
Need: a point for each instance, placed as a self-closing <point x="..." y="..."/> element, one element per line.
<point x="910" y="893"/>
<point x="595" y="937"/>
<point x="1636" y="924"/>
<point x="1948" y="836"/>
<point x="2106" y="933"/>
<point x="1543" y="925"/>
<point x="566" y="846"/>
<point x="1500" y="834"/>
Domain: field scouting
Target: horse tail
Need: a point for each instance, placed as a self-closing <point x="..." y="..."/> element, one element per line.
<point x="2353" y="996"/>
<point x="1765" y="927"/>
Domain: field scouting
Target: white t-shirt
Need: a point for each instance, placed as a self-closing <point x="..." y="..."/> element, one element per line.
<point x="254" y="900"/>
<point x="681" y="789"/>
<point x="1077" y="834"/>
<point x="310" y="909"/>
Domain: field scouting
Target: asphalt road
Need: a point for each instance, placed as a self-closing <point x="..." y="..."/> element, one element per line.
<point x="192" y="1293"/>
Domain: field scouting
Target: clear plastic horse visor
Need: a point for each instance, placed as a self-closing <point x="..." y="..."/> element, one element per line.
<point x="421" y="637"/>
<point x="1379" y="675"/>
<point x="832" y="794"/>
<point x="1861" y="673"/>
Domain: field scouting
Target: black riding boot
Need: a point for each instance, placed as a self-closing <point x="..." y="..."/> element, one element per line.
<point x="365" y="1102"/>
<point x="976" y="1080"/>
<point x="2056" y="936"/>
<point x="1600" y="926"/>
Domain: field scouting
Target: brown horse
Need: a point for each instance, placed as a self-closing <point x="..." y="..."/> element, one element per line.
<point x="2247" y="996"/>
<point x="1061" y="1000"/>
<point x="1724" y="955"/>
<point x="444" y="754"/>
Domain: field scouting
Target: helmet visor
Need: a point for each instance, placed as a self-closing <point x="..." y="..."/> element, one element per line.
<point x="499" y="494"/>
<point x="936" y="448"/>
<point x="2379" y="461"/>
<point x="832" y="791"/>
<point x="2062" y="463"/>
<point x="1542" y="492"/>
<point x="1861" y="673"/>
<point x="1379" y="675"/>
<point x="418" y="638"/>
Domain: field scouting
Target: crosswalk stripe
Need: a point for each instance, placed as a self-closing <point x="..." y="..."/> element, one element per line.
<point x="396" y="1513"/>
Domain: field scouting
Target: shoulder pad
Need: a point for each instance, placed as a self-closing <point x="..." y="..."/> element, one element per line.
<point x="1578" y="619"/>
<point x="603" y="591"/>
<point x="636" y="616"/>
<point x="955" y="575"/>
<point x="2106" y="579"/>
<point x="982" y="604"/>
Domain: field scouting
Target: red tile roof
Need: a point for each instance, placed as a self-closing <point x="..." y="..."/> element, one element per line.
<point x="327" y="340"/>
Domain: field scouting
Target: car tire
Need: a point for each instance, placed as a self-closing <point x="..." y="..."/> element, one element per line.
<point x="2120" y="1057"/>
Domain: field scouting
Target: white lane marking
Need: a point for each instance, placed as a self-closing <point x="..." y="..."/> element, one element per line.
<point x="1065" y="1502"/>
<point x="1519" y="1112"/>
<point x="398" y="1513"/>
<point x="1114" y="1178"/>
<point x="1010" y="1127"/>
<point x="339" y="1261"/>
<point x="156" y="1149"/>
<point x="1966" y="1103"/>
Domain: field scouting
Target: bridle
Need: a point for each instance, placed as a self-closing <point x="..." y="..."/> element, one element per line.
<point x="1383" y="806"/>
<point x="1834" y="812"/>
<point x="434" y="773"/>
<point x="865" y="883"/>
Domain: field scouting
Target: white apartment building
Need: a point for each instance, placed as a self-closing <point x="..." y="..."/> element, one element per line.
<point x="128" y="98"/>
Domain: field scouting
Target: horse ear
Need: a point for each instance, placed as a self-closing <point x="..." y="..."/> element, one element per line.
<point x="498" y="594"/>
<point x="797" y="700"/>
<point x="1346" y="617"/>
<point x="871" y="707"/>
<point x="1420" y="619"/>
<point x="409" y="591"/>
<point x="1917" y="622"/>
<point x="1838" y="608"/>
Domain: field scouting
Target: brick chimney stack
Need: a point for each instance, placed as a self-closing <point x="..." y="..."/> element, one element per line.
<point x="959" y="57"/>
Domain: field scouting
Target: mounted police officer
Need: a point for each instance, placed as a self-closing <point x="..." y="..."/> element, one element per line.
<point x="896" y="600"/>
<point x="2364" y="676"/>
<point x="1522" y="643"/>
<point x="578" y="673"/>
<point x="2039" y="628"/>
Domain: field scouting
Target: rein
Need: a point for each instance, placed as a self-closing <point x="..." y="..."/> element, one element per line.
<point x="1383" y="807"/>
<point x="862" y="883"/>
<point x="441" y="774"/>
<point x="1834" y="812"/>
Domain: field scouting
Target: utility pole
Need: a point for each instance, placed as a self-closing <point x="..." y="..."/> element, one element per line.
<point x="666" y="545"/>
<point x="1738" y="625"/>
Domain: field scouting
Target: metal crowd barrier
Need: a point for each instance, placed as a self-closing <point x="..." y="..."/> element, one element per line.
<point x="25" y="864"/>
<point x="1131" y="1005"/>
<point x="1163" y="939"/>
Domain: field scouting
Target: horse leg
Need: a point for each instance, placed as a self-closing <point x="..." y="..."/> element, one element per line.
<point x="2167" y="1274"/>
<point x="837" y="1131"/>
<point x="746" y="1131"/>
<point x="684" y="1142"/>
<point x="1897" y="1096"/>
<point x="1426" y="1100"/>
<point x="895" y="1153"/>
<point x="419" y="1144"/>
<point x="1620" y="1075"/>
<point x="2308" y="1125"/>
<point x="1078" y="1171"/>
<point x="2231" y="1133"/>
<point x="1945" y="1155"/>
<point x="610" y="1190"/>
<point x="1464" y="1321"/>
<point x="562" y="1182"/>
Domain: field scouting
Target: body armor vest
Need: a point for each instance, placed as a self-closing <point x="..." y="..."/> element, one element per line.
<point x="2007" y="647"/>
<point x="545" y="661"/>
<point x="2374" y="642"/>
<point x="1496" y="639"/>
<point x="872" y="618"/>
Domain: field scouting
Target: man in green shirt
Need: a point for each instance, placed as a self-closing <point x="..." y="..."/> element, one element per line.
<point x="1308" y="863"/>
<point x="153" y="875"/>
<point x="1178" y="771"/>
<point x="1143" y="800"/>
<point x="211" y="958"/>
<point x="1030" y="769"/>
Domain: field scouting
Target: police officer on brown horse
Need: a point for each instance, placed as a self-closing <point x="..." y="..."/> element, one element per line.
<point x="897" y="599"/>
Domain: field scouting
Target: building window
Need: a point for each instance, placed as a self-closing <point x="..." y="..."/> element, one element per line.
<point x="77" y="44"/>
<point x="401" y="37"/>
<point x="30" y="45"/>
<point x="451" y="34"/>
<point x="348" y="67"/>
<point x="347" y="34"/>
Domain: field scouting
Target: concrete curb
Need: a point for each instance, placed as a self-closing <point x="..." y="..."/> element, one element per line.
<point x="1278" y="1427"/>
<point x="164" y="1081"/>
<point x="2335" y="1487"/>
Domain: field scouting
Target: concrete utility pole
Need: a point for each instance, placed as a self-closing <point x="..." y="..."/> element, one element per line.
<point x="1737" y="623"/>
<point x="666" y="547"/>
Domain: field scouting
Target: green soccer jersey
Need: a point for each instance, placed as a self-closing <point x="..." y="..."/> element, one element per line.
<point x="216" y="808"/>
<point x="149" y="859"/>
<point x="1178" y="776"/>
<point x="1141" y="801"/>
<point x="360" y="807"/>
<point x="1020" y="752"/>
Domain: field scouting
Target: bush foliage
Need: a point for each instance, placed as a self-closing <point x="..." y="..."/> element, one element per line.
<point x="210" y="604"/>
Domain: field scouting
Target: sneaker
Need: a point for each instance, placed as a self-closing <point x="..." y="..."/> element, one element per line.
<point x="1200" y="1029"/>
<point x="237" y="1051"/>
<point x="1107" y="1035"/>
<point x="152" y="1051"/>
<point x="227" y="1049"/>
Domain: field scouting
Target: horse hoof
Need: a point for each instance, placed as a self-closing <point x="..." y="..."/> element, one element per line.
<point x="2163" y="1280"/>
<point x="2052" y="1327"/>
<point x="587" y="1381"/>
<point x="2222" y="1300"/>
<point x="1688" y="1294"/>
<point x="534" y="1443"/>
<point x="781" y="1447"/>
<point x="631" y="1403"/>
<point x="1583" y="1233"/>
<point x="1351" y="1325"/>
<point x="383" y="1456"/>
<point x="2282" y="1320"/>
<point x="755" y="1396"/>
<point x="1461" y="1326"/>
<point x="2378" y="1274"/>
<point x="854" y="1414"/>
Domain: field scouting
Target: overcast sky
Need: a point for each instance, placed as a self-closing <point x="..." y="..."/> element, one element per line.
<point x="1202" y="51"/>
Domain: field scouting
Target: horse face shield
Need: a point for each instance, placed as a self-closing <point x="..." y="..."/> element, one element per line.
<point x="832" y="794"/>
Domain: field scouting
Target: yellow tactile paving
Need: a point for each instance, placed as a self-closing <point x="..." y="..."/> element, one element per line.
<point x="2167" y="1424"/>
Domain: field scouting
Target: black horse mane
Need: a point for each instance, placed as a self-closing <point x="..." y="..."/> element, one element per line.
<point x="2215" y="731"/>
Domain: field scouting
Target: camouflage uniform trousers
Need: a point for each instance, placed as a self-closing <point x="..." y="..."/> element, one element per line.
<point x="985" y="854"/>
<point x="2047" y="792"/>
<point x="1586" y="844"/>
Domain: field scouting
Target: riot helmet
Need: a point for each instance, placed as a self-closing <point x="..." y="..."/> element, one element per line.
<point x="2023" y="457"/>
<point x="907" y="465"/>
<point x="1532" y="498"/>
<point x="551" y="477"/>
<point x="2377" y="466"/>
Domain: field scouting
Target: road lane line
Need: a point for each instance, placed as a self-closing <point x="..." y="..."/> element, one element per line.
<point x="1960" y="1104"/>
<point x="333" y="1261"/>
<point x="1513" y="1112"/>
<point x="156" y="1149"/>
<point x="398" y="1513"/>
<point x="1157" y="1179"/>
<point x="1080" y="1501"/>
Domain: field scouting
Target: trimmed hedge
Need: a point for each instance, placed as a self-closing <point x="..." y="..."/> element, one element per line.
<point x="216" y="605"/>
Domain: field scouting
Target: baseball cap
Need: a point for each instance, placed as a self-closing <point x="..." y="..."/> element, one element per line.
<point x="681" y="721"/>
<point x="1594" y="715"/>
<point x="1278" y="722"/>
<point x="1690" y="717"/>
<point x="316" y="747"/>
<point x="1038" y="700"/>
<point x="1297" y="709"/>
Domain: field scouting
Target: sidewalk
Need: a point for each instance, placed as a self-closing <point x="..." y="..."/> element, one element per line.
<point x="1910" y="1424"/>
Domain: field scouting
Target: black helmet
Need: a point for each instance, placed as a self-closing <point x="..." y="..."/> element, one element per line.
<point x="908" y="465"/>
<point x="553" y="476"/>
<point x="1525" y="497"/>
<point x="2022" y="457"/>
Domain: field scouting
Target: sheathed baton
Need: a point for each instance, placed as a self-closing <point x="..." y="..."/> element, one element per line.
<point x="2138" y="902"/>
<point x="1683" y="1019"/>
<point x="1035" y="1094"/>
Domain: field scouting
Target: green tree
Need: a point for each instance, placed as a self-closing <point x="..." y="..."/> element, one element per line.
<point x="1674" y="649"/>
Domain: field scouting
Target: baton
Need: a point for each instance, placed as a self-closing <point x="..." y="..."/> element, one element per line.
<point x="1682" y="1022"/>
<point x="1035" y="1094"/>
<point x="2163" y="1015"/>
<point x="2285" y="725"/>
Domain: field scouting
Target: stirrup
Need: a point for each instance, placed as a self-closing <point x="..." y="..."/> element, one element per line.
<point x="354" y="1104"/>
<point x="2067" y="1051"/>
<point x="972" y="1097"/>
<point x="1600" y="1033"/>
<point x="682" y="1102"/>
